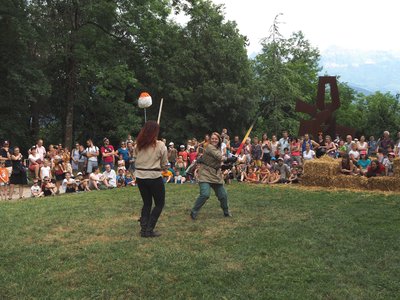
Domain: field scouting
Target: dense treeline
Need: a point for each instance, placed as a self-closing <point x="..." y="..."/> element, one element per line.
<point x="73" y="69"/>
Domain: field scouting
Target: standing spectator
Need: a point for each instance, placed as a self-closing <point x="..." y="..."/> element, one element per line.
<point x="172" y="154"/>
<point x="83" y="160"/>
<point x="348" y="143"/>
<point x="397" y="145"/>
<point x="235" y="145"/>
<point x="330" y="147"/>
<point x="307" y="140"/>
<point x="386" y="143"/>
<point x="295" y="150"/>
<point x="362" y="145"/>
<point x="18" y="175"/>
<point x="256" y="151"/>
<point x="266" y="148"/>
<point x="5" y="156"/>
<point x="372" y="146"/>
<point x="183" y="153"/>
<point x="75" y="155"/>
<point x="274" y="146"/>
<point x="4" y="179"/>
<point x="353" y="153"/>
<point x="284" y="142"/>
<point x="308" y="154"/>
<point x="40" y="149"/>
<point x="92" y="152"/>
<point x="110" y="176"/>
<point x="35" y="163"/>
<point x="321" y="149"/>
<point x="131" y="149"/>
<point x="107" y="153"/>
<point x="45" y="171"/>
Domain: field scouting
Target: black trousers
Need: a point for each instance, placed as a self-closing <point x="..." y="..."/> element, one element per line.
<point x="151" y="189"/>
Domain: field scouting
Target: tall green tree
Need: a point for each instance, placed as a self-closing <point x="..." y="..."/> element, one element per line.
<point x="285" y="70"/>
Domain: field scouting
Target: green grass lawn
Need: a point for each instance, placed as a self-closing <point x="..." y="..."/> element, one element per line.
<point x="282" y="243"/>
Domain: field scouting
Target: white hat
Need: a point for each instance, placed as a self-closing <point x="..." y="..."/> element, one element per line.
<point x="170" y="144"/>
<point x="182" y="146"/>
<point x="79" y="173"/>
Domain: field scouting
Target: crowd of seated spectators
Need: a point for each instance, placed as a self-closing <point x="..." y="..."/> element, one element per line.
<point x="266" y="161"/>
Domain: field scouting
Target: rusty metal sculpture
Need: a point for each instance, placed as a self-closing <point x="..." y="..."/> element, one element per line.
<point x="322" y="113"/>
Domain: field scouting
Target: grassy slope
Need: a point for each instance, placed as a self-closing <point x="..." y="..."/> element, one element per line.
<point x="281" y="243"/>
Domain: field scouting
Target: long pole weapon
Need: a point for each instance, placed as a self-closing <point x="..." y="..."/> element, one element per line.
<point x="159" y="111"/>
<point x="248" y="132"/>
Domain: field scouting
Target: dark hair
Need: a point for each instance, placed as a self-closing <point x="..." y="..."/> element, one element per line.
<point x="148" y="135"/>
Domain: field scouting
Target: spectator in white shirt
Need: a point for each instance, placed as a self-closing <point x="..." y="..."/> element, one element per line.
<point x="110" y="176"/>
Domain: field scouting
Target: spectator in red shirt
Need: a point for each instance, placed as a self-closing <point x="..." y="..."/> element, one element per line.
<point x="182" y="152"/>
<point x="375" y="169"/>
<point x="107" y="153"/>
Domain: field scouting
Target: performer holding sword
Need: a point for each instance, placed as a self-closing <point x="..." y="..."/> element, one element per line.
<point x="210" y="176"/>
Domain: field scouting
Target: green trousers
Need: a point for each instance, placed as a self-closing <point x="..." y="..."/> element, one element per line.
<point x="205" y="190"/>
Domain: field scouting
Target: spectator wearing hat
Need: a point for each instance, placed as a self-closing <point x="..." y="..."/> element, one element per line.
<point x="172" y="154"/>
<point x="5" y="156"/>
<point x="107" y="153"/>
<point x="183" y="153"/>
<point x="283" y="169"/>
<point x="363" y="163"/>
<point x="388" y="164"/>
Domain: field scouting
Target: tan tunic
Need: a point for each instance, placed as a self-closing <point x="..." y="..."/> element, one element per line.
<point x="151" y="158"/>
<point x="210" y="170"/>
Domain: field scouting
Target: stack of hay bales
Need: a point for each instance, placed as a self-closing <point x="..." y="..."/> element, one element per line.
<point x="320" y="172"/>
<point x="325" y="172"/>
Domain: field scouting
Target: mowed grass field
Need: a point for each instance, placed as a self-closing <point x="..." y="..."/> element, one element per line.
<point x="283" y="242"/>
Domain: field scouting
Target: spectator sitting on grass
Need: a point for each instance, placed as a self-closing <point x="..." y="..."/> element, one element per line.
<point x="82" y="184"/>
<point x="36" y="190"/>
<point x="69" y="184"/>
<point x="48" y="188"/>
<point x="110" y="176"/>
<point x="130" y="180"/>
<point x="283" y="169"/>
<point x="167" y="176"/>
<point x="251" y="176"/>
<point x="96" y="180"/>
<point x="120" y="178"/>
<point x="179" y="179"/>
<point x="275" y="177"/>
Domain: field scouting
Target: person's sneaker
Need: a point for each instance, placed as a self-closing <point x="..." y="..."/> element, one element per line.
<point x="227" y="215"/>
<point x="150" y="234"/>
<point x="192" y="216"/>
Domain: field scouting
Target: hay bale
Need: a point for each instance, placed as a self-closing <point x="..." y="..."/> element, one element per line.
<point x="325" y="166"/>
<point x="396" y="167"/>
<point x="350" y="182"/>
<point x="384" y="183"/>
<point x="316" y="180"/>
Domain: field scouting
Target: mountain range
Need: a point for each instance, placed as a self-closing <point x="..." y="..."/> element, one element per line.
<point x="364" y="71"/>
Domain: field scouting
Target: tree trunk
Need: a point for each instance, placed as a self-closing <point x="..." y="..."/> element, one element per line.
<point x="71" y="92"/>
